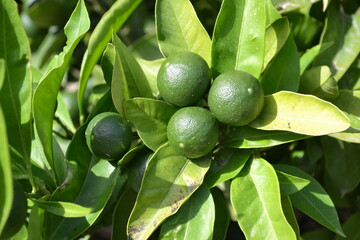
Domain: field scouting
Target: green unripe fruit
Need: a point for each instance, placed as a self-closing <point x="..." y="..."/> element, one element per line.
<point x="193" y="132"/>
<point x="183" y="79"/>
<point x="108" y="136"/>
<point x="236" y="98"/>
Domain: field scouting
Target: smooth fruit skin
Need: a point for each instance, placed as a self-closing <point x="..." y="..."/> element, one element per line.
<point x="108" y="136"/>
<point x="183" y="79"/>
<point x="18" y="212"/>
<point x="193" y="131"/>
<point x="236" y="98"/>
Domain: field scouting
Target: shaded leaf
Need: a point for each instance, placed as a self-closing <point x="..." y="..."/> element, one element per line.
<point x="36" y="221"/>
<point x="290" y="215"/>
<point x="49" y="86"/>
<point x="351" y="227"/>
<point x="146" y="47"/>
<point x="279" y="76"/>
<point x="194" y="220"/>
<point x="150" y="118"/>
<point x="290" y="184"/>
<point x="222" y="215"/>
<point x="313" y="200"/>
<point x="319" y="82"/>
<point x="259" y="214"/>
<point x="16" y="90"/>
<point x="304" y="114"/>
<point x="239" y="37"/>
<point x="169" y="180"/>
<point x="226" y="165"/>
<point x="275" y="37"/>
<point x="343" y="30"/>
<point x="309" y="56"/>
<point x="151" y="69"/>
<point x="111" y="21"/>
<point x="179" y="29"/>
<point x="248" y="137"/>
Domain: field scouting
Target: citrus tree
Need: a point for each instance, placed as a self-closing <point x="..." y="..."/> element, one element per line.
<point x="171" y="119"/>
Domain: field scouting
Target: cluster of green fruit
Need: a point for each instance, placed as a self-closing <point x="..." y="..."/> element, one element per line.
<point x="234" y="98"/>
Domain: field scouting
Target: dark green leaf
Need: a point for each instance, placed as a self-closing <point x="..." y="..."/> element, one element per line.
<point x="150" y="118"/>
<point x="194" y="220"/>
<point x="226" y="165"/>
<point x="290" y="184"/>
<point x="351" y="227"/>
<point x="318" y="234"/>
<point x="16" y="90"/>
<point x="255" y="197"/>
<point x="179" y="29"/>
<point x="169" y="180"/>
<point x="248" y="137"/>
<point x="239" y="37"/>
<point x="279" y="76"/>
<point x="313" y="200"/>
<point x="108" y="62"/>
<point x="222" y="215"/>
<point x="111" y="21"/>
<point x="49" y="86"/>
<point x="96" y="190"/>
<point x="341" y="164"/>
<point x="308" y="57"/>
<point x="298" y="113"/>
<point x="343" y="30"/>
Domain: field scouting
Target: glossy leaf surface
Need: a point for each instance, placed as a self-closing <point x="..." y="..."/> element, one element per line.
<point x="64" y="209"/>
<point x="248" y="137"/>
<point x="169" y="180"/>
<point x="290" y="184"/>
<point x="226" y="165"/>
<point x="290" y="215"/>
<point x="179" y="29"/>
<point x="304" y="114"/>
<point x="255" y="197"/>
<point x="194" y="220"/>
<point x="111" y="21"/>
<point x="16" y="90"/>
<point x="308" y="57"/>
<point x="150" y="118"/>
<point x="239" y="37"/>
<point x="49" y="86"/>
<point x="313" y="200"/>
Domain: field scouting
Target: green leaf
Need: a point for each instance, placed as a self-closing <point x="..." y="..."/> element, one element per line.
<point x="135" y="78"/>
<point x="222" y="215"/>
<point x="150" y="118"/>
<point x="318" y="234"/>
<point x="348" y="101"/>
<point x="36" y="221"/>
<point x="6" y="182"/>
<point x="343" y="30"/>
<point x="146" y="47"/>
<point x="255" y="197"/>
<point x="64" y="209"/>
<point x="151" y="69"/>
<point x="16" y="90"/>
<point x="275" y="37"/>
<point x="304" y="114"/>
<point x="49" y="86"/>
<point x="169" y="180"/>
<point x="2" y="72"/>
<point x="290" y="184"/>
<point x="351" y="227"/>
<point x="21" y="234"/>
<point x="313" y="200"/>
<point x="290" y="215"/>
<point x="179" y="29"/>
<point x="137" y="167"/>
<point x="341" y="164"/>
<point x="111" y="21"/>
<point x="63" y="114"/>
<point x="309" y="56"/>
<point x="108" y="62"/>
<point x="279" y="76"/>
<point x="226" y="165"/>
<point x="194" y="220"/>
<point x="248" y="137"/>
<point x="122" y="213"/>
<point x="96" y="190"/>
<point x="319" y="82"/>
<point x="239" y="37"/>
